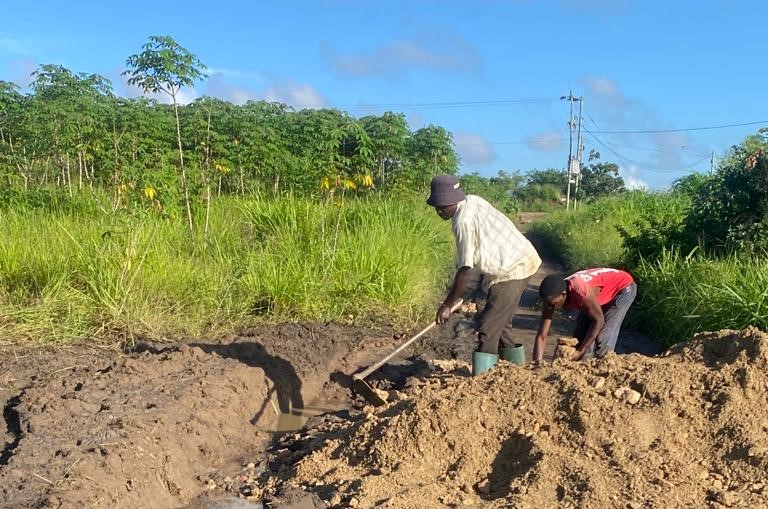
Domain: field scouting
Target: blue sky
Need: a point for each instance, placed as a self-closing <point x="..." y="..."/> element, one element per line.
<point x="490" y="71"/>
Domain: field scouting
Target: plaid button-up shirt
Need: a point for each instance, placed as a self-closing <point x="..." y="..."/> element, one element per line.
<point x="489" y="241"/>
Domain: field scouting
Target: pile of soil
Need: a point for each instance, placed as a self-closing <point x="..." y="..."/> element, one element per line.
<point x="687" y="429"/>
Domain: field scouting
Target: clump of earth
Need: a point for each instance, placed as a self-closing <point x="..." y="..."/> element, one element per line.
<point x="685" y="429"/>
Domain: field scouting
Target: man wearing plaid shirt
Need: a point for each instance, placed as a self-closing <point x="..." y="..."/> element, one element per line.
<point x="488" y="241"/>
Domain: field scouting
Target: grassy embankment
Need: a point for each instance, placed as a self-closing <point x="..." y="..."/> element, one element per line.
<point x="678" y="293"/>
<point x="71" y="272"/>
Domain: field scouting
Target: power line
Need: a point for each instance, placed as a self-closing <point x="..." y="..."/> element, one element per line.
<point x="436" y="105"/>
<point x="647" y="131"/>
<point x="645" y="166"/>
<point x="655" y="149"/>
<point x="519" y="142"/>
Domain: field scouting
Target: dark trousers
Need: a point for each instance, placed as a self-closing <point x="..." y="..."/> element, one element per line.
<point x="495" y="323"/>
<point x="614" y="313"/>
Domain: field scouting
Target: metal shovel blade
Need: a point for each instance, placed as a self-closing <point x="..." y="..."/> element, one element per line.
<point x="362" y="388"/>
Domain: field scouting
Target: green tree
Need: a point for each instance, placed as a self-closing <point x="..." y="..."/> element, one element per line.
<point x="499" y="190"/>
<point x="429" y="152"/>
<point x="69" y="112"/>
<point x="260" y="131"/>
<point x="549" y="177"/>
<point x="389" y="135"/>
<point x="689" y="185"/>
<point x="11" y="139"/>
<point x="731" y="209"/>
<point x="166" y="67"/>
<point x="599" y="179"/>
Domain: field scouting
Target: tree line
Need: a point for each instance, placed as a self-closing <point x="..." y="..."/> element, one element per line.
<point x="73" y="132"/>
<point x="544" y="189"/>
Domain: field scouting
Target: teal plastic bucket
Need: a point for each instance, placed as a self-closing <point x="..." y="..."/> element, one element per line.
<point x="516" y="354"/>
<point x="482" y="362"/>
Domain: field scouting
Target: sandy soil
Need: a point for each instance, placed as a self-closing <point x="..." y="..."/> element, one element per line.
<point x="191" y="424"/>
<point x="687" y="429"/>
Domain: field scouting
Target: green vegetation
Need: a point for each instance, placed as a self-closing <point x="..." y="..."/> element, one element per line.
<point x="67" y="275"/>
<point x="545" y="190"/>
<point x="127" y="218"/>
<point x="596" y="234"/>
<point x="698" y="251"/>
<point x="71" y="132"/>
<point x="681" y="295"/>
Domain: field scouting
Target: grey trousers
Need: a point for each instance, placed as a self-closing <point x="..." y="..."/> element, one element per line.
<point x="614" y="313"/>
<point x="495" y="323"/>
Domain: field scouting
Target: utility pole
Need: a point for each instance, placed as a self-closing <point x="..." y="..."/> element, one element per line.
<point x="573" y="170"/>
<point x="579" y="151"/>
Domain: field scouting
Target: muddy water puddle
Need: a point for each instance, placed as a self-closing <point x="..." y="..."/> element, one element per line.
<point x="298" y="417"/>
<point x="224" y="503"/>
<point x="287" y="422"/>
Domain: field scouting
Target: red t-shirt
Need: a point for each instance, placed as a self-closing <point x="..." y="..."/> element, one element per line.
<point x="610" y="282"/>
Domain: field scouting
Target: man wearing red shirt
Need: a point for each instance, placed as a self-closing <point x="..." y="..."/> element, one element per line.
<point x="602" y="297"/>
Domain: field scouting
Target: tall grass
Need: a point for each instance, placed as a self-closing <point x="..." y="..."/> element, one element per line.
<point x="679" y="295"/>
<point x="589" y="236"/>
<point x="66" y="276"/>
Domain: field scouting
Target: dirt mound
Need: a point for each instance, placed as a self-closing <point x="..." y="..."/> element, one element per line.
<point x="687" y="429"/>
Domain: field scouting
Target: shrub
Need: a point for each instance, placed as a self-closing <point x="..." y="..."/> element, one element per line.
<point x="730" y="209"/>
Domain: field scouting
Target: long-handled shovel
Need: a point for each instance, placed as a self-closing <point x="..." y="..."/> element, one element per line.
<point x="362" y="388"/>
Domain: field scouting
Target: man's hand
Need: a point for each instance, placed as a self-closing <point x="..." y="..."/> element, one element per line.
<point x="577" y="355"/>
<point x="443" y="314"/>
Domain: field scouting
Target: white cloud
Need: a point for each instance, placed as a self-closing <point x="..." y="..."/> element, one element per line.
<point x="217" y="86"/>
<point x="614" y="110"/>
<point x="300" y="96"/>
<point x="474" y="149"/>
<point x="548" y="141"/>
<point x="631" y="178"/>
<point x="605" y="89"/>
<point x="123" y="88"/>
<point x="183" y="96"/>
<point x="440" y="50"/>
<point x="22" y="70"/>
<point x="236" y="73"/>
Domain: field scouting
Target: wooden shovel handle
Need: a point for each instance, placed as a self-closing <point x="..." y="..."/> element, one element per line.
<point x="404" y="345"/>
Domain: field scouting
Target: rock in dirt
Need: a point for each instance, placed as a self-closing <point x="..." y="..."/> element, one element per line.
<point x="484" y="487"/>
<point x="564" y="352"/>
<point x="568" y="341"/>
<point x="297" y="499"/>
<point x="627" y="395"/>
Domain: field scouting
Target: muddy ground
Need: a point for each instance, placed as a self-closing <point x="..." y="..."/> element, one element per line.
<point x="193" y="424"/>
